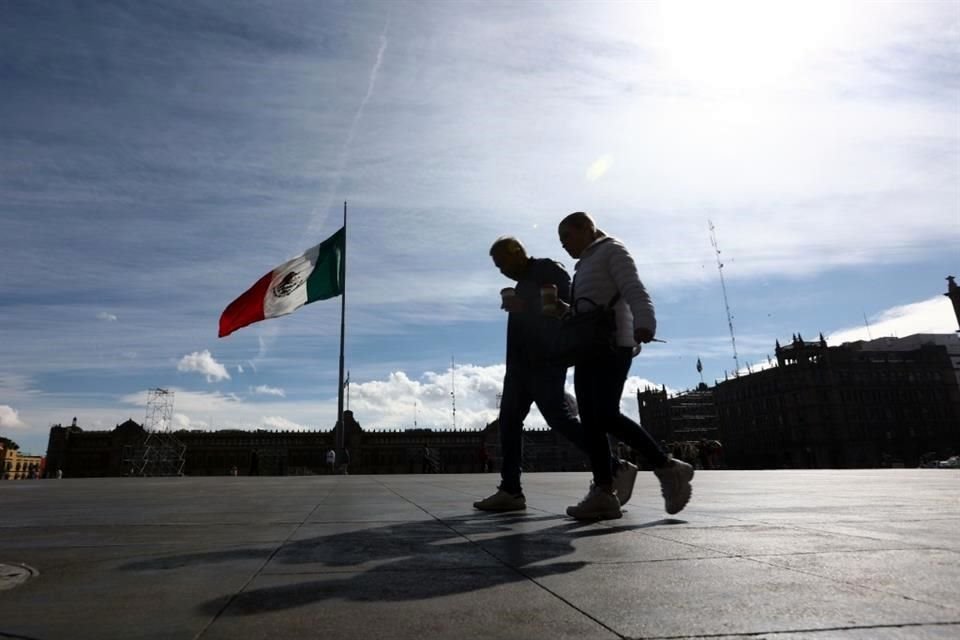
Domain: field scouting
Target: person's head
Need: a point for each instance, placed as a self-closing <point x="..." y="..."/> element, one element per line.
<point x="510" y="257"/>
<point x="577" y="232"/>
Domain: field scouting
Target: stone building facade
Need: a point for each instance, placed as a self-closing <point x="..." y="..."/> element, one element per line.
<point x="80" y="453"/>
<point x="843" y="406"/>
<point x="887" y="402"/>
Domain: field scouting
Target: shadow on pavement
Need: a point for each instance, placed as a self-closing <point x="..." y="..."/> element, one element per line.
<point x="403" y="561"/>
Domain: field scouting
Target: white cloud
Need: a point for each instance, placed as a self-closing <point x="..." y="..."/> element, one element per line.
<point x="106" y="317"/>
<point x="396" y="401"/>
<point x="934" y="315"/>
<point x="183" y="421"/>
<point x="391" y="402"/>
<point x="204" y="363"/>
<point x="9" y="418"/>
<point x="282" y="424"/>
<point x="239" y="368"/>
<point x="269" y="391"/>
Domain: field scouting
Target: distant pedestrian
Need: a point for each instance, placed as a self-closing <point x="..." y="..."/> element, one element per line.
<point x="332" y="461"/>
<point x="605" y="270"/>
<point x="59" y="474"/>
<point x="345" y="465"/>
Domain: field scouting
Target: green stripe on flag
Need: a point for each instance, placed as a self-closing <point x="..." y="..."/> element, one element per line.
<point x="326" y="280"/>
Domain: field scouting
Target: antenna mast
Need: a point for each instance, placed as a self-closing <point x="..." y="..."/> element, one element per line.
<point x="723" y="286"/>
<point x="453" y="391"/>
<point x="866" y="323"/>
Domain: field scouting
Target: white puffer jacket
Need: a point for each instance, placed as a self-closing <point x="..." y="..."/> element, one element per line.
<point x="606" y="267"/>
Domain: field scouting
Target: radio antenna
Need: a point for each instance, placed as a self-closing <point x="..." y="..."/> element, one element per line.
<point x="723" y="287"/>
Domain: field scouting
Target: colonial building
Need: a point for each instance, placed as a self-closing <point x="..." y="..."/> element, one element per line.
<point x="884" y="402"/>
<point x="685" y="417"/>
<point x="17" y="466"/>
<point x="120" y="452"/>
<point x="854" y="405"/>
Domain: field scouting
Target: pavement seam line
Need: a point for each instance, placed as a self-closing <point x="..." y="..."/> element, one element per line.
<point x="847" y="583"/>
<point x="749" y="634"/>
<point x="259" y="571"/>
<point x="516" y="570"/>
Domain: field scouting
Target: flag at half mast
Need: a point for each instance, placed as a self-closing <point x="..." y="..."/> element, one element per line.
<point x="315" y="275"/>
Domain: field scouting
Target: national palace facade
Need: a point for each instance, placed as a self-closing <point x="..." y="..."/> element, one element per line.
<point x="118" y="452"/>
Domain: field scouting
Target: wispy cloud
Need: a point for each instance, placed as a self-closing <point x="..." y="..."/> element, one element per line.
<point x="269" y="391"/>
<point x="107" y="317"/>
<point x="203" y="362"/>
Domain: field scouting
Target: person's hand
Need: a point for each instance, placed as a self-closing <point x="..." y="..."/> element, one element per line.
<point x="642" y="335"/>
<point x="514" y="304"/>
<point x="559" y="309"/>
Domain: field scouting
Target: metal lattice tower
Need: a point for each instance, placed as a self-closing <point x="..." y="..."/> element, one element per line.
<point x="726" y="304"/>
<point x="453" y="391"/>
<point x="163" y="453"/>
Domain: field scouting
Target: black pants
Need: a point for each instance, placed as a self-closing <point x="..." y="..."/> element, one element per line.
<point x="599" y="384"/>
<point x="522" y="386"/>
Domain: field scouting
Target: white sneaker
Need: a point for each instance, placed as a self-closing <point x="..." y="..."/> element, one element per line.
<point x="502" y="501"/>
<point x="675" y="486"/>
<point x="597" y="505"/>
<point x="623" y="480"/>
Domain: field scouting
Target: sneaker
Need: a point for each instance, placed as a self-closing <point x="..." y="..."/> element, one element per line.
<point x="597" y="505"/>
<point x="675" y="479"/>
<point x="502" y="501"/>
<point x="623" y="480"/>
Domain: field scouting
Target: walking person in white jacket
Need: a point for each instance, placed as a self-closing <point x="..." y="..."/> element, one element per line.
<point x="605" y="269"/>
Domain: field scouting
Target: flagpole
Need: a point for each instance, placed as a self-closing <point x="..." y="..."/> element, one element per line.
<point x="340" y="436"/>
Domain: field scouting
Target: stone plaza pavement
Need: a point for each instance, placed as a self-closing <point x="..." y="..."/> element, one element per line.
<point x="857" y="555"/>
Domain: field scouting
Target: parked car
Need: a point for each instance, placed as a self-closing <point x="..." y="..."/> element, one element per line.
<point x="953" y="462"/>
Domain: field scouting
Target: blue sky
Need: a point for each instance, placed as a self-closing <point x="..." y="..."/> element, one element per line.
<point x="156" y="159"/>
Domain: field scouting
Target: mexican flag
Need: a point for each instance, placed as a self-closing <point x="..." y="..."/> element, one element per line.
<point x="316" y="275"/>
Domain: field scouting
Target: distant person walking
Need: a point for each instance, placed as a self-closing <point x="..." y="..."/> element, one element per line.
<point x="530" y="376"/>
<point x="332" y="460"/>
<point x="606" y="269"/>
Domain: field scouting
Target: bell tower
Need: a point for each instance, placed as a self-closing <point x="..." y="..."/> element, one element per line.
<point x="953" y="292"/>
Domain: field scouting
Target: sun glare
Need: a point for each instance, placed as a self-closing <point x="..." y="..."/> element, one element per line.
<point x="746" y="43"/>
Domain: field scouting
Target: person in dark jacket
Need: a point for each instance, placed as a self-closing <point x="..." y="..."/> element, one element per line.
<point x="531" y="376"/>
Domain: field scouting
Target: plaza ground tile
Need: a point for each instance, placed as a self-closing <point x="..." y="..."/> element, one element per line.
<point x="936" y="532"/>
<point x="725" y="596"/>
<point x="104" y="534"/>
<point x="926" y="575"/>
<point x="124" y="592"/>
<point x="903" y="632"/>
<point x="544" y="539"/>
<point x="762" y="539"/>
<point x="468" y="604"/>
<point x="353" y="546"/>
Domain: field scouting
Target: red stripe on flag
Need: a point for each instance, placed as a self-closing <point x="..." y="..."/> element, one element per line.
<point x="246" y="309"/>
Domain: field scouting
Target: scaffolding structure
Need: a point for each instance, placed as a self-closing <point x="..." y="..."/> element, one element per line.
<point x="163" y="453"/>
